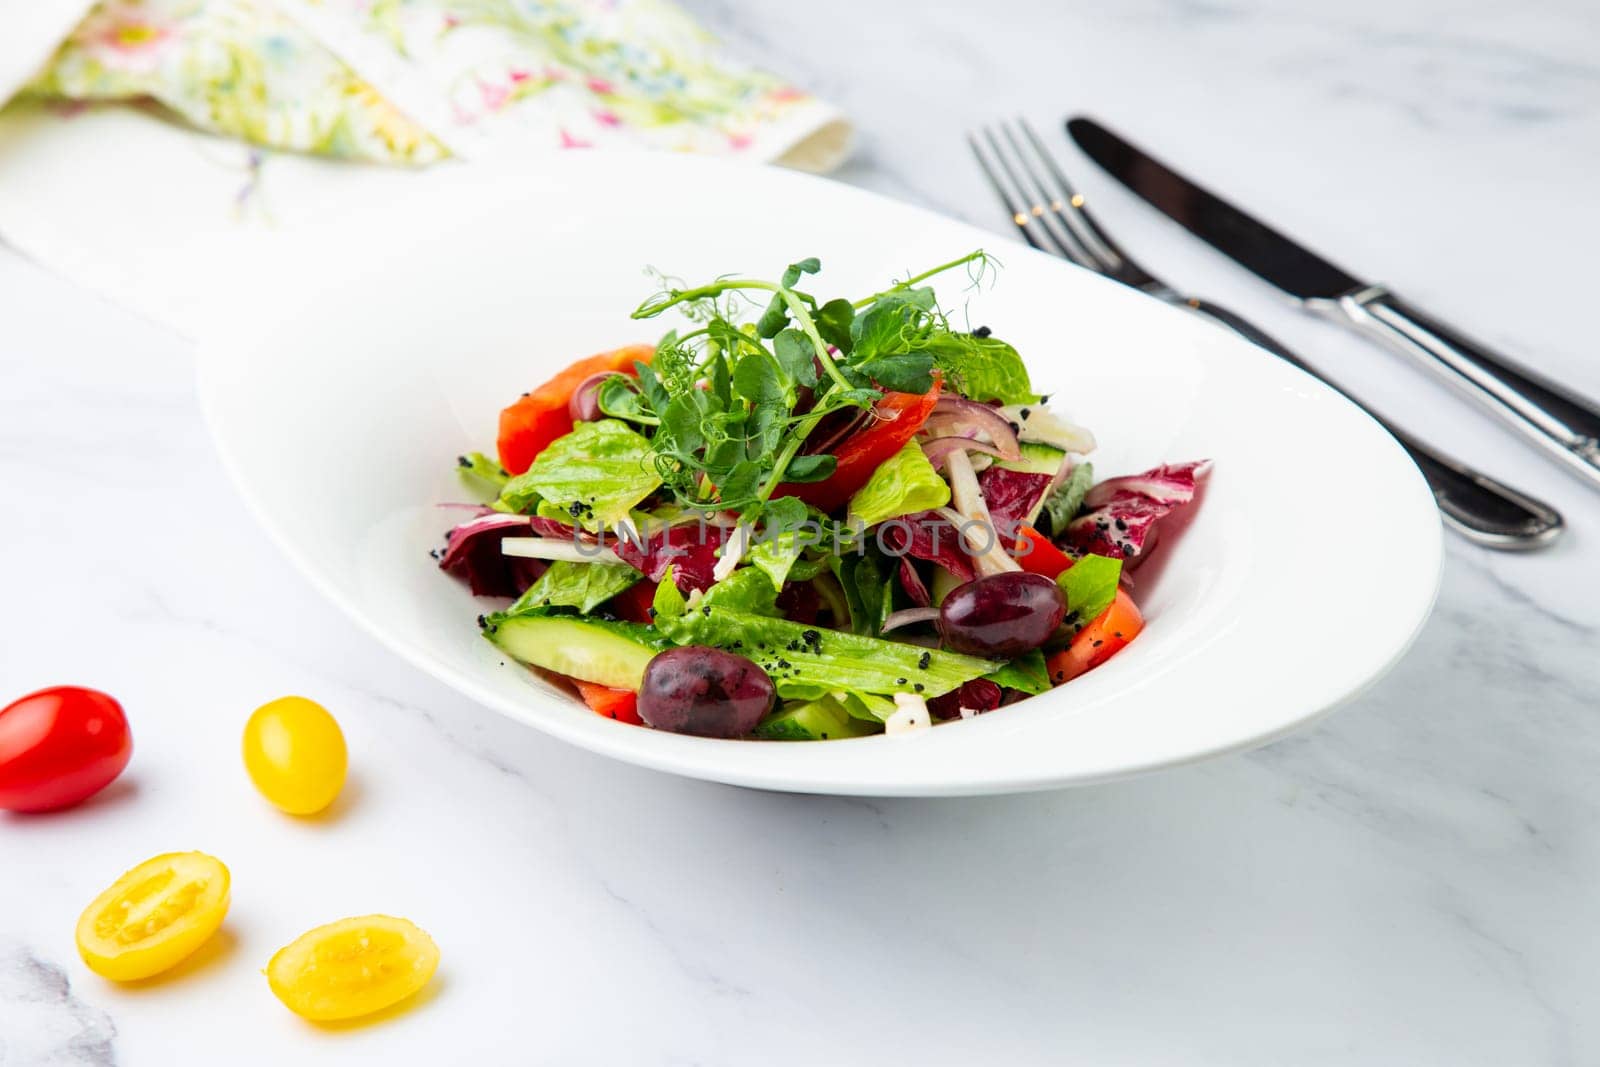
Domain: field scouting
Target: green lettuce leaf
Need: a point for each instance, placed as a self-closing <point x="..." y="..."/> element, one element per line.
<point x="776" y="556"/>
<point x="1027" y="673"/>
<point x="1090" y="585"/>
<point x="584" y="586"/>
<point x="744" y="590"/>
<point x="1063" y="504"/>
<point x="903" y="484"/>
<point x="805" y="660"/>
<point x="867" y="579"/>
<point x="597" y="473"/>
<point x="482" y="473"/>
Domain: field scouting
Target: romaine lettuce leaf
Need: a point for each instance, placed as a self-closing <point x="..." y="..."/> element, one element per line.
<point x="803" y="660"/>
<point x="903" y="484"/>
<point x="584" y="586"/>
<point x="482" y="473"/>
<point x="1027" y="673"/>
<point x="597" y="473"/>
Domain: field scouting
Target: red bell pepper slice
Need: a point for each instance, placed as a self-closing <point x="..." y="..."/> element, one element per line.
<point x="896" y="419"/>
<point x="541" y="416"/>
<point x="1036" y="555"/>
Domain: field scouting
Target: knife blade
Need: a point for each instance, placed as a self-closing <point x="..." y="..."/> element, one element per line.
<point x="1564" y="423"/>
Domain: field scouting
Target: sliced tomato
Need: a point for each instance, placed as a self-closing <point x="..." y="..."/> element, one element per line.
<point x="895" y="419"/>
<point x="634" y="602"/>
<point x="539" y="417"/>
<point x="1099" y="641"/>
<point x="619" y="704"/>
<point x="1037" y="555"/>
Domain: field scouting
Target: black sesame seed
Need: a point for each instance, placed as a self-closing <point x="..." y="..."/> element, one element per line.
<point x="1025" y="413"/>
<point x="463" y="461"/>
<point x="982" y="331"/>
<point x="919" y="687"/>
<point x="1122" y="525"/>
<point x="650" y="612"/>
<point x="927" y="658"/>
<point x="899" y="681"/>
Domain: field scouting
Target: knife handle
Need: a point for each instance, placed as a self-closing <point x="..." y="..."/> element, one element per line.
<point x="1481" y="509"/>
<point x="1547" y="413"/>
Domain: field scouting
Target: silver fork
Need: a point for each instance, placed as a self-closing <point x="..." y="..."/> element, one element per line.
<point x="1053" y="217"/>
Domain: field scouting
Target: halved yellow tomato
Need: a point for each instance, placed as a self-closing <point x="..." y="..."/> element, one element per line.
<point x="352" y="967"/>
<point x="154" y="916"/>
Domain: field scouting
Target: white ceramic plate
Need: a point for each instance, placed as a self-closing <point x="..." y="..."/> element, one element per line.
<point x="1308" y="566"/>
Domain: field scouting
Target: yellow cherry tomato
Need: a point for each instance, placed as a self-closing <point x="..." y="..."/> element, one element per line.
<point x="352" y="967"/>
<point x="294" y="751"/>
<point x="154" y="916"/>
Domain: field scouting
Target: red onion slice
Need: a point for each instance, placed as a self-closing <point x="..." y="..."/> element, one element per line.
<point x="938" y="450"/>
<point x="584" y="405"/>
<point x="954" y="416"/>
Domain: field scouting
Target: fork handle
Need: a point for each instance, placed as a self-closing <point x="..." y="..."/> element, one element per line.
<point x="1485" y="511"/>
<point x="1548" y="414"/>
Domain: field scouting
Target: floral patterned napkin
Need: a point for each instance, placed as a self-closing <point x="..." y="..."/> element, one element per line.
<point x="414" y="81"/>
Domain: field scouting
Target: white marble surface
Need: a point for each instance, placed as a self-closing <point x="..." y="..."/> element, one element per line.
<point x="1416" y="881"/>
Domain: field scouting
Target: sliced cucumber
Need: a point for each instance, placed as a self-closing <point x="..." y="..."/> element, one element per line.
<point x="944" y="583"/>
<point x="1037" y="458"/>
<point x="588" y="651"/>
<point x="814" y="720"/>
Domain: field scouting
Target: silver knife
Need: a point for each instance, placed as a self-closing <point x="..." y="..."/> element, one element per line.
<point x="1547" y="413"/>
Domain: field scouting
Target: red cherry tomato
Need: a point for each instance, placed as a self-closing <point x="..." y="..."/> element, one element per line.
<point x="59" y="746"/>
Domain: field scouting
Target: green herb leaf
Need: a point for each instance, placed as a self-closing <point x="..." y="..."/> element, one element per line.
<point x="810" y="468"/>
<point x="903" y="484"/>
<point x="796" y="356"/>
<point x="755" y="377"/>
<point x="906" y="372"/>
<point x="980" y="368"/>
<point x="791" y="276"/>
<point x="1090" y="585"/>
<point x="833" y="323"/>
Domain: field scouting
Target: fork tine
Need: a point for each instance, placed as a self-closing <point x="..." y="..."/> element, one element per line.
<point x="1035" y="213"/>
<point x="1073" y="208"/>
<point x="1013" y="206"/>
<point x="1049" y="207"/>
<point x="1063" y="201"/>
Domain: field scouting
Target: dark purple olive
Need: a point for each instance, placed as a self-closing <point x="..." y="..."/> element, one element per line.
<point x="704" y="691"/>
<point x="978" y="695"/>
<point x="1001" y="615"/>
<point x="584" y="404"/>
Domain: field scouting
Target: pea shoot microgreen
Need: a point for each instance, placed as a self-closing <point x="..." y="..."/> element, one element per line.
<point x="728" y="404"/>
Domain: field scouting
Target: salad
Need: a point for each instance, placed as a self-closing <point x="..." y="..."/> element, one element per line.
<point x="804" y="519"/>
